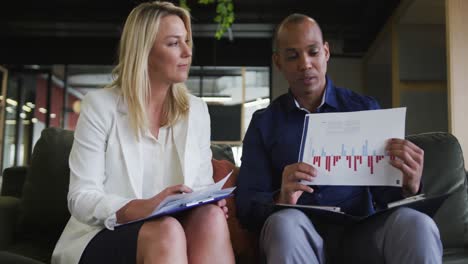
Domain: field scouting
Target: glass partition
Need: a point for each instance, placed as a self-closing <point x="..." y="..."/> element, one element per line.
<point x="3" y="87"/>
<point x="50" y="96"/>
<point x="233" y="94"/>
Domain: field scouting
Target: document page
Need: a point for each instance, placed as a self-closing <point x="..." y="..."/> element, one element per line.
<point x="349" y="148"/>
<point x="184" y="201"/>
<point x="184" y="198"/>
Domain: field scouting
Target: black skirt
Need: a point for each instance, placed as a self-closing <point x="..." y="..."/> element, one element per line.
<point x="117" y="246"/>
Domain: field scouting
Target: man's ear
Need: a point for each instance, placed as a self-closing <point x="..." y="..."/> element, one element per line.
<point x="276" y="60"/>
<point x="326" y="49"/>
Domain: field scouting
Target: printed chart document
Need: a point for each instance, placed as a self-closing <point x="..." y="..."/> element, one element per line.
<point x="184" y="201"/>
<point x="426" y="205"/>
<point x="349" y="148"/>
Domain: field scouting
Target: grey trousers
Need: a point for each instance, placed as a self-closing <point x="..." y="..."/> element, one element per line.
<point x="402" y="236"/>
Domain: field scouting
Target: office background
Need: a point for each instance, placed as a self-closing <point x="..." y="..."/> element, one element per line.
<point x="403" y="52"/>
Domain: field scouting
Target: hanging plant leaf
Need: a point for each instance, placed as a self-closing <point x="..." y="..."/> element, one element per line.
<point x="224" y="14"/>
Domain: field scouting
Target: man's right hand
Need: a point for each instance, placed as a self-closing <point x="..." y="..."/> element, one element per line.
<point x="291" y="188"/>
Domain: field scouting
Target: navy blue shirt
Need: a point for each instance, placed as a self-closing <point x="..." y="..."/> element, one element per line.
<point x="272" y="142"/>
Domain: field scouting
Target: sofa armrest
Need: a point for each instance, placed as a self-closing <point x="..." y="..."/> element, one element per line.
<point x="9" y="211"/>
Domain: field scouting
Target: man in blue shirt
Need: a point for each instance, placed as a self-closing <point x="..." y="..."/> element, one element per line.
<point x="270" y="172"/>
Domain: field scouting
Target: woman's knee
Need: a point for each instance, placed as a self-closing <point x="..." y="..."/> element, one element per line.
<point x="210" y="219"/>
<point x="161" y="240"/>
<point x="211" y="215"/>
<point x="166" y="229"/>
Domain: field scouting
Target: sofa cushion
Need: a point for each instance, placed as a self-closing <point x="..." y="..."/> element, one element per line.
<point x="243" y="242"/>
<point x="222" y="152"/>
<point x="44" y="208"/>
<point x="444" y="172"/>
<point x="9" y="207"/>
<point x="11" y="258"/>
<point x="221" y="168"/>
<point x="13" y="179"/>
<point x="455" y="256"/>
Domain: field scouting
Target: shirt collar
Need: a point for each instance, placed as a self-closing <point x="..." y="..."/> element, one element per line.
<point x="307" y="110"/>
<point x="328" y="98"/>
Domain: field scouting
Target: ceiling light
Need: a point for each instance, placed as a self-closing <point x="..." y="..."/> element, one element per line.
<point x="26" y="108"/>
<point x="11" y="101"/>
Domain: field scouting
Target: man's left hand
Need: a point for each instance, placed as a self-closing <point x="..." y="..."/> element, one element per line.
<point x="410" y="160"/>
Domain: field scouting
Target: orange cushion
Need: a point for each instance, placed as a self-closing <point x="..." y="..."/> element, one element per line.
<point x="243" y="242"/>
<point x="221" y="168"/>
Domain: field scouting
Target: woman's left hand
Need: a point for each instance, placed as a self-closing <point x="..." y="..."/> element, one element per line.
<point x="222" y="205"/>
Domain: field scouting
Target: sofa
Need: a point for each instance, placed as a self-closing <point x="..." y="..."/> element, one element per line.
<point x="33" y="207"/>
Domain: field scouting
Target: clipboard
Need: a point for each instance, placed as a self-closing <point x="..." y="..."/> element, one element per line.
<point x="186" y="204"/>
<point x="427" y="205"/>
<point x="173" y="204"/>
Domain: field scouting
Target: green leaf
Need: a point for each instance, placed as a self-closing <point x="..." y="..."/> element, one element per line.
<point x="220" y="8"/>
<point x="224" y="14"/>
<point x="183" y="4"/>
<point x="205" y="2"/>
<point x="219" y="35"/>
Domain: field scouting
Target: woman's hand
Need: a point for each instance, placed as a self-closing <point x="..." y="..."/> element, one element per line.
<point x="222" y="204"/>
<point x="176" y="189"/>
<point x="139" y="208"/>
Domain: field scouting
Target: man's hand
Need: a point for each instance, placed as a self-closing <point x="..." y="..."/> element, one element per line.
<point x="291" y="188"/>
<point x="410" y="160"/>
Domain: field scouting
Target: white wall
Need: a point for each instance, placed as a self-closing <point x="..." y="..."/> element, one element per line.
<point x="346" y="72"/>
<point x="378" y="72"/>
<point x="279" y="85"/>
<point x="457" y="39"/>
<point x="422" y="52"/>
<point x="425" y="111"/>
<point x="422" y="59"/>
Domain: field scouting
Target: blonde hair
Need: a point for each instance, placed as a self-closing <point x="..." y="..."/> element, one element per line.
<point x="132" y="76"/>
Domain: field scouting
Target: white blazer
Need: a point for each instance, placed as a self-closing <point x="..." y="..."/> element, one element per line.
<point x="106" y="170"/>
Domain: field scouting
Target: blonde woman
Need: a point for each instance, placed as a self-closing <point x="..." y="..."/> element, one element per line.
<point x="137" y="142"/>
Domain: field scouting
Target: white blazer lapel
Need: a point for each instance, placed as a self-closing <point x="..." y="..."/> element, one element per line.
<point x="130" y="149"/>
<point x="180" y="131"/>
<point x="187" y="144"/>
